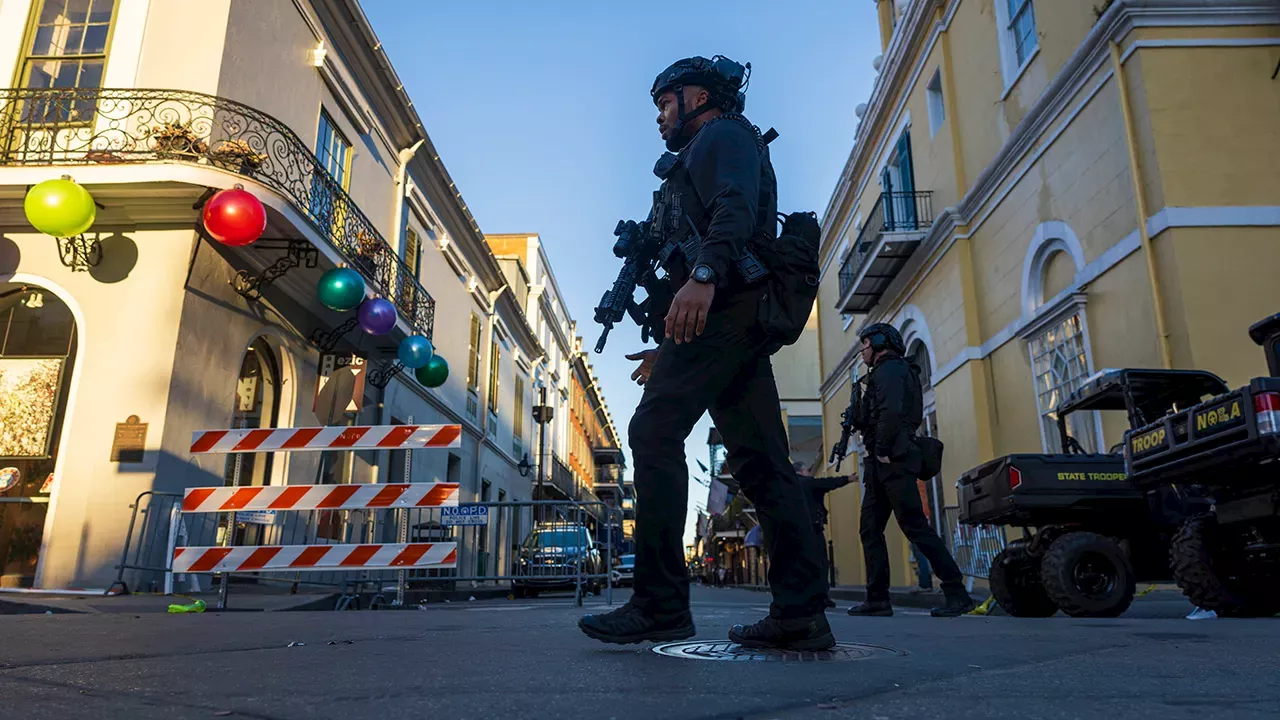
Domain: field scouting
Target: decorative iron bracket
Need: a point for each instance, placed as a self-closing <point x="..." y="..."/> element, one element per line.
<point x="381" y="376"/>
<point x="80" y="252"/>
<point x="327" y="340"/>
<point x="297" y="253"/>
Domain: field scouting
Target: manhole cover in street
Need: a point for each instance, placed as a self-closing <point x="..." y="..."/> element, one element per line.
<point x="725" y="650"/>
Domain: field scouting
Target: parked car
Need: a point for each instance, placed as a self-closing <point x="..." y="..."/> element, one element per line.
<point x="624" y="568"/>
<point x="558" y="556"/>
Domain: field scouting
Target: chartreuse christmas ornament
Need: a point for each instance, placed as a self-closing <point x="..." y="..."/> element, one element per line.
<point x="60" y="208"/>
<point x="415" y="352"/>
<point x="434" y="373"/>
<point x="341" y="289"/>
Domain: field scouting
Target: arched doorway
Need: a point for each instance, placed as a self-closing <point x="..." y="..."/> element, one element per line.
<point x="257" y="405"/>
<point x="37" y="352"/>
<point x="918" y="354"/>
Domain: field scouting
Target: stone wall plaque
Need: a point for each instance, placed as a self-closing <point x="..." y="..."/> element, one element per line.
<point x="130" y="441"/>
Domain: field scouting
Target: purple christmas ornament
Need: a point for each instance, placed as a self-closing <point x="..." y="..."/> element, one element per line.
<point x="377" y="316"/>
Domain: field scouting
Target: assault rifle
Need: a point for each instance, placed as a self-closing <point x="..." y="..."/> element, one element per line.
<point x="847" y="426"/>
<point x="638" y="249"/>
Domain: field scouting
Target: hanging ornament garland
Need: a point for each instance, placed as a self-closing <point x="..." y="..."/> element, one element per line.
<point x="234" y="217"/>
<point x="341" y="289"/>
<point x="434" y="373"/>
<point x="60" y="208"/>
<point x="415" y="352"/>
<point x="377" y="316"/>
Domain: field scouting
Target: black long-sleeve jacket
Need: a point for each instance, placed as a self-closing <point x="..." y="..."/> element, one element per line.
<point x="735" y="184"/>
<point x="893" y="408"/>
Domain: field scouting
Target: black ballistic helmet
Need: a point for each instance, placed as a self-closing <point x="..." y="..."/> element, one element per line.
<point x="724" y="79"/>
<point x="883" y="336"/>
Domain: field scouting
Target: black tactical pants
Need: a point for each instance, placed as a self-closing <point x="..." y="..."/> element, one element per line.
<point x="722" y="371"/>
<point x="894" y="493"/>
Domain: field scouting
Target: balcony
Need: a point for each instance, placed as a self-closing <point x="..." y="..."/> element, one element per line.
<point x="85" y="126"/>
<point x="897" y="225"/>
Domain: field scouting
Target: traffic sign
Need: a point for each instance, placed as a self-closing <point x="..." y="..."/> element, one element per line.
<point x="465" y="515"/>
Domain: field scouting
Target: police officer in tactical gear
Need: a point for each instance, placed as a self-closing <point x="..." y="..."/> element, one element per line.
<point x="891" y="412"/>
<point x="713" y="357"/>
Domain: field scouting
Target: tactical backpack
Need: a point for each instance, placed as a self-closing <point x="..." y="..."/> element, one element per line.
<point x="791" y="287"/>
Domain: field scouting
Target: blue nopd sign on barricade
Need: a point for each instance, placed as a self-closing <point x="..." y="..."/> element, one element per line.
<point x="464" y="515"/>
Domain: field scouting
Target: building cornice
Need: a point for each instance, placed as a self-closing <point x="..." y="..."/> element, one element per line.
<point x="911" y="46"/>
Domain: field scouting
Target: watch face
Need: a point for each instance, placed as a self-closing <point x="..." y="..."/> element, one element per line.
<point x="702" y="273"/>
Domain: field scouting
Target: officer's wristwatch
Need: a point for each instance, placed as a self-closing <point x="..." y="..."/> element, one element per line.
<point x="704" y="274"/>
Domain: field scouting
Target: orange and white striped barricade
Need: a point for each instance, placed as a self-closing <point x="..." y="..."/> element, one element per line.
<point x="404" y="496"/>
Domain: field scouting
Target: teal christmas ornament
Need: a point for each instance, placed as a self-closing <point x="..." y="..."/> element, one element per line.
<point x="434" y="373"/>
<point x="415" y="352"/>
<point x="341" y="289"/>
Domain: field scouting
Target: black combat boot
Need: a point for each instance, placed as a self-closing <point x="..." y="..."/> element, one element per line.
<point x="629" y="624"/>
<point x="958" y="603"/>
<point x="809" y="634"/>
<point x="872" y="608"/>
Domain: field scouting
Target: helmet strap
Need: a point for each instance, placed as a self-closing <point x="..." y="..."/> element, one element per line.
<point x="678" y="141"/>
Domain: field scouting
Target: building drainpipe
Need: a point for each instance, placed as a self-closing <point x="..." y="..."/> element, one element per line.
<point x="1135" y="173"/>
<point x="402" y="188"/>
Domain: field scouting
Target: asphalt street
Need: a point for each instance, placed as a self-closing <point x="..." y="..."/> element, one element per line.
<point x="526" y="659"/>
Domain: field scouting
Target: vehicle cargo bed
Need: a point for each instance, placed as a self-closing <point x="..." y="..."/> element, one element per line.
<point x="1049" y="489"/>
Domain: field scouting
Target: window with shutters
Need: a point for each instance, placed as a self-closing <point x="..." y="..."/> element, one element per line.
<point x="473" y="353"/>
<point x="517" y="421"/>
<point x="495" y="358"/>
<point x="411" y="251"/>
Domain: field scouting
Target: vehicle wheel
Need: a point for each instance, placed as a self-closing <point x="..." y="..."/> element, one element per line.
<point x="1088" y="575"/>
<point x="1015" y="583"/>
<point x="1202" y="570"/>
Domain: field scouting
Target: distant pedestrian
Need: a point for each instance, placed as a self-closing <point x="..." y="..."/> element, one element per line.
<point x="817" y="489"/>
<point x="924" y="572"/>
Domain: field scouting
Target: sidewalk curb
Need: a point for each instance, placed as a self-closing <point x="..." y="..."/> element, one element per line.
<point x="898" y="597"/>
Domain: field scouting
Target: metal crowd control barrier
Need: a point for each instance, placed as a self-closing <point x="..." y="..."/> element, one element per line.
<point x="257" y="533"/>
<point x="974" y="547"/>
<point x="222" y="558"/>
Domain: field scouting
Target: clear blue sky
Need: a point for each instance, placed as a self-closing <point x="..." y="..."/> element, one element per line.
<point x="541" y="113"/>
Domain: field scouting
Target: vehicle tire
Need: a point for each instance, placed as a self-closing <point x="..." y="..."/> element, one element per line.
<point x="1015" y="583"/>
<point x="1088" y="575"/>
<point x="1197" y="554"/>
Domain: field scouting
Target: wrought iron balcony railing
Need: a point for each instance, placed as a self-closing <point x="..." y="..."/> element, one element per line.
<point x="82" y="126"/>
<point x="893" y="212"/>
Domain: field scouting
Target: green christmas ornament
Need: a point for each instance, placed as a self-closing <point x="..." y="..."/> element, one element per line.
<point x="434" y="373"/>
<point x="60" y="208"/>
<point x="341" y="289"/>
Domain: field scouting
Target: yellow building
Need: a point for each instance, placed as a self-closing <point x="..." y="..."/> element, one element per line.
<point x="1038" y="191"/>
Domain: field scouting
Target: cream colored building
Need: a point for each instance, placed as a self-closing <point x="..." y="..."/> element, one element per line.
<point x="1038" y="191"/>
<point x="157" y="332"/>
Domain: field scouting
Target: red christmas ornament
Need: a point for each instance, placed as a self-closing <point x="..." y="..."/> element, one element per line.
<point x="234" y="217"/>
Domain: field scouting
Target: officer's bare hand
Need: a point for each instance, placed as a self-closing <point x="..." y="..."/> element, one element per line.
<point x="884" y="460"/>
<point x="646" y="358"/>
<point x="688" y="314"/>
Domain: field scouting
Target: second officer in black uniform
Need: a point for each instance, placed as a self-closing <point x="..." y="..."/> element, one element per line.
<point x="891" y="412"/>
<point x="714" y="356"/>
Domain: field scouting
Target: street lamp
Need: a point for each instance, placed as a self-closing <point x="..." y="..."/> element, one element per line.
<point x="525" y="467"/>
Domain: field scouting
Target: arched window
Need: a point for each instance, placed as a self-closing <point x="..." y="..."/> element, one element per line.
<point x="38" y="339"/>
<point x="1057" y="332"/>
<point x="257" y="405"/>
